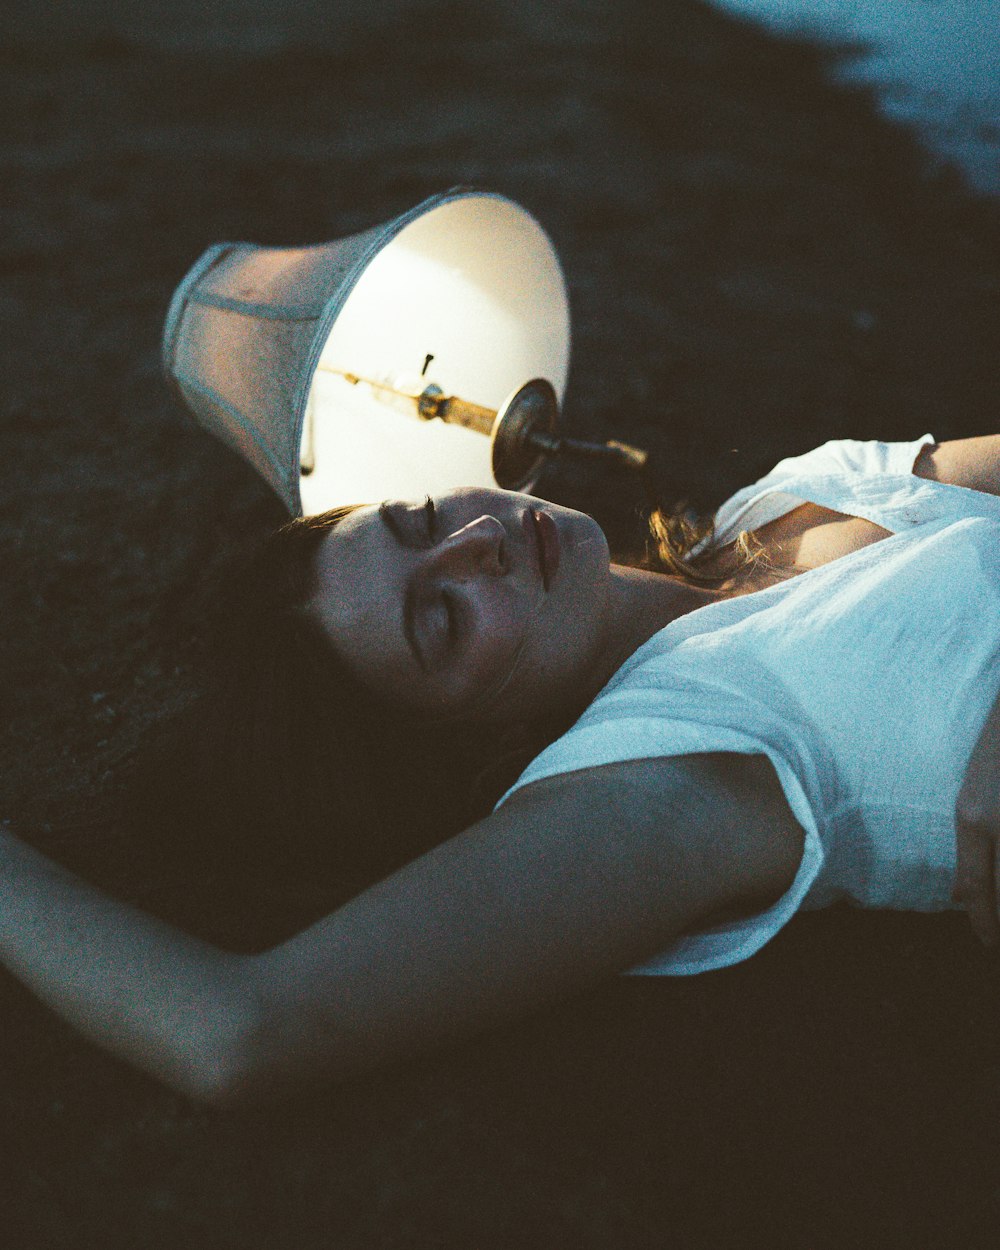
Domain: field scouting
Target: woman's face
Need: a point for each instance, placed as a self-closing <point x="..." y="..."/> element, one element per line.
<point x="479" y="604"/>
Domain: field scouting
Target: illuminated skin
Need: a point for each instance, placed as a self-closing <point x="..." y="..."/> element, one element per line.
<point x="575" y="878"/>
<point x="459" y="607"/>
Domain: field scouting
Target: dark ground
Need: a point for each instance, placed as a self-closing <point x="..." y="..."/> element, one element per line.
<point x="756" y="264"/>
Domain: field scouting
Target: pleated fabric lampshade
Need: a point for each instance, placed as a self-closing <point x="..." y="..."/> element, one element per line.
<point x="308" y="361"/>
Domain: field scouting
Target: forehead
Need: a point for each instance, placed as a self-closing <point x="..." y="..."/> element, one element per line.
<point x="354" y="573"/>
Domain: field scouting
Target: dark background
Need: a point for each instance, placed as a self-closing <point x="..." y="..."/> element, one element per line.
<point x="756" y="263"/>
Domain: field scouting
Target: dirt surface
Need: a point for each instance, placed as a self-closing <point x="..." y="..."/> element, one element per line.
<point x="756" y="263"/>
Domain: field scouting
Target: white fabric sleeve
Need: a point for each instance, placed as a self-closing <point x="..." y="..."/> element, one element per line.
<point x="850" y="457"/>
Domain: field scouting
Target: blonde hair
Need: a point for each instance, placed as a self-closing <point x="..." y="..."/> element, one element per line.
<point x="680" y="542"/>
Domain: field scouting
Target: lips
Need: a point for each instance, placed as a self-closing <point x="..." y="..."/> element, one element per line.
<point x="544" y="537"/>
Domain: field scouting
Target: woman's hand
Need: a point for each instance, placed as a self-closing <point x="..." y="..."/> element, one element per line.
<point x="977" y="826"/>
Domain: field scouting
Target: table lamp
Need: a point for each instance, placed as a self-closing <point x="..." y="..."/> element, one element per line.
<point x="423" y="354"/>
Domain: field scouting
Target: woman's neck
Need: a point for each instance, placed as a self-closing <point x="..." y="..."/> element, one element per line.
<point x="642" y="603"/>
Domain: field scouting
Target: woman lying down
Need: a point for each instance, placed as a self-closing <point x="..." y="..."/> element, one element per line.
<point x="793" y="707"/>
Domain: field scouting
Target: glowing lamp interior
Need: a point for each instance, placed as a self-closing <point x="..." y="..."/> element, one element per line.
<point x="468" y="297"/>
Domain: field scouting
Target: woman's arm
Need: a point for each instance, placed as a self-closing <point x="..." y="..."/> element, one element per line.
<point x="573" y="879"/>
<point x="975" y="464"/>
<point x="977" y="826"/>
<point x="970" y="462"/>
<point x="165" y="1002"/>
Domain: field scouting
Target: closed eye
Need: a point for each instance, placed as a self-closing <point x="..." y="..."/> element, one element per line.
<point x="443" y="624"/>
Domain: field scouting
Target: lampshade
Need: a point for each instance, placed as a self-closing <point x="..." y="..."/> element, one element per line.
<point x="321" y="365"/>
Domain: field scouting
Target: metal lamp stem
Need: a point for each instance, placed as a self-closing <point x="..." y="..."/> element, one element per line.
<point x="523" y="428"/>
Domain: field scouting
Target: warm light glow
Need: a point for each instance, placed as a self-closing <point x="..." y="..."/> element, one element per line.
<point x="474" y="284"/>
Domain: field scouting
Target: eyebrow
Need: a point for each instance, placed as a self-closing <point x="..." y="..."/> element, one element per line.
<point x="409" y="612"/>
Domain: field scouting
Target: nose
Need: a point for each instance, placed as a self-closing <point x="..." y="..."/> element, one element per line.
<point x="479" y="547"/>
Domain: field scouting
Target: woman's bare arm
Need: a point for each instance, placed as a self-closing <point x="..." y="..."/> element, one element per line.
<point x="165" y="1002"/>
<point x="970" y="462"/>
<point x="573" y="879"/>
<point x="975" y="464"/>
<point x="977" y="828"/>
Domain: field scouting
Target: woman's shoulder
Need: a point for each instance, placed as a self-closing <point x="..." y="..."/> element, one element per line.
<point x="850" y="476"/>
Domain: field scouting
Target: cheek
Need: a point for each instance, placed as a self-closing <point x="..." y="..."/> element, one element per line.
<point x="499" y="631"/>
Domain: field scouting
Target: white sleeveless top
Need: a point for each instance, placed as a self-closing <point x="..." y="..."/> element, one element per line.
<point x="865" y="681"/>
